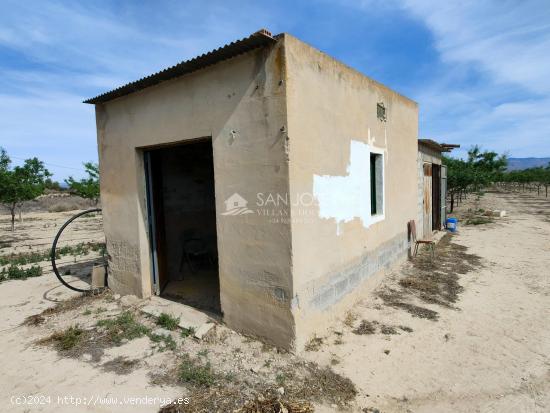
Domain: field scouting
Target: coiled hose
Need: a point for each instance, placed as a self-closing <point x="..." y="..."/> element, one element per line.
<point x="53" y="254"/>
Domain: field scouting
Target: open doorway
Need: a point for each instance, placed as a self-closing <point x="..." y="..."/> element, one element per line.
<point x="427" y="200"/>
<point x="182" y="223"/>
<point x="436" y="197"/>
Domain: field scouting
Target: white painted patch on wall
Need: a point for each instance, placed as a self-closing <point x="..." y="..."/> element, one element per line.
<point x="347" y="197"/>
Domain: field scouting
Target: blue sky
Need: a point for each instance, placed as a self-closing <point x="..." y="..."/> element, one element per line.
<point x="480" y="70"/>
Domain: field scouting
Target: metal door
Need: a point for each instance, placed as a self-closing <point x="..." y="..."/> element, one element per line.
<point x="151" y="222"/>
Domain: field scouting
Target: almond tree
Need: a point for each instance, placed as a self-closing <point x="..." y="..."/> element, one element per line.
<point x="480" y="170"/>
<point x="87" y="187"/>
<point x="21" y="183"/>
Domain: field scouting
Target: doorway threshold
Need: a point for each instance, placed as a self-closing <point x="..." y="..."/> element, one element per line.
<point x="189" y="318"/>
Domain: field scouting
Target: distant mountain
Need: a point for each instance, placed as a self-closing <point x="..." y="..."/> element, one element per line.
<point x="515" y="164"/>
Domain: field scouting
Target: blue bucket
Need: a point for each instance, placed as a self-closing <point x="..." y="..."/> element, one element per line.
<point x="452" y="224"/>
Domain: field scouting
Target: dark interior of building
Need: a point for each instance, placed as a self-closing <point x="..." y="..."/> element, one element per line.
<point x="182" y="196"/>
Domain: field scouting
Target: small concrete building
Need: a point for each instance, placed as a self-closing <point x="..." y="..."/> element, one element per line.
<point x="264" y="181"/>
<point x="432" y="187"/>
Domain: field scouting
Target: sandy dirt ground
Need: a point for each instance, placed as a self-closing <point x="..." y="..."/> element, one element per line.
<point x="491" y="352"/>
<point x="466" y="332"/>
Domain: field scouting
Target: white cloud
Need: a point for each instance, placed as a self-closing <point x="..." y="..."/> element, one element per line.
<point x="491" y="82"/>
<point x="507" y="44"/>
<point x="69" y="51"/>
<point x="509" y="40"/>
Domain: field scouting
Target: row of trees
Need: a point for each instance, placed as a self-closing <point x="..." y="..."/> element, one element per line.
<point x="532" y="179"/>
<point x="479" y="170"/>
<point x="483" y="169"/>
<point x="28" y="181"/>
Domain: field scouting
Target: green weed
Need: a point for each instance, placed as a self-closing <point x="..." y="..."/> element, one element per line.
<point x="194" y="372"/>
<point x="14" y="272"/>
<point x="66" y="339"/>
<point x="186" y="332"/>
<point x="123" y="327"/>
<point x="167" y="321"/>
<point x="164" y="341"/>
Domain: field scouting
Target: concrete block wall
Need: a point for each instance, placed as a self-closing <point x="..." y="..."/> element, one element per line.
<point x="324" y="294"/>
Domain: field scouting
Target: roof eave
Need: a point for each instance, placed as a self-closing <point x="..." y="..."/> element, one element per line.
<point x="258" y="39"/>
<point x="436" y="146"/>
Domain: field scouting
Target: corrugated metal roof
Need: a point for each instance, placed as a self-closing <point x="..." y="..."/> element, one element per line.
<point x="436" y="146"/>
<point x="429" y="143"/>
<point x="259" y="39"/>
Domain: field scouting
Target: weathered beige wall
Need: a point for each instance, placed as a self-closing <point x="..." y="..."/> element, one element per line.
<point x="329" y="106"/>
<point x="240" y="103"/>
<point x="282" y="119"/>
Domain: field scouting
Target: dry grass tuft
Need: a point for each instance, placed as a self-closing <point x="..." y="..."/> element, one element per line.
<point x="366" y="327"/>
<point x="314" y="344"/>
<point x="350" y="319"/>
<point x="34" y="320"/>
<point x="120" y="365"/>
<point x="303" y="383"/>
<point x="65" y="340"/>
<point x="76" y="302"/>
<point x="385" y="329"/>
<point x="271" y="404"/>
<point x="432" y="281"/>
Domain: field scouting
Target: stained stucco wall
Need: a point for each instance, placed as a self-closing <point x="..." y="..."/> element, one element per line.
<point x="332" y="126"/>
<point x="240" y="103"/>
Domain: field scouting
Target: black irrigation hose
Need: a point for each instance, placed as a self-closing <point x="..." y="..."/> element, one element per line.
<point x="54" y="245"/>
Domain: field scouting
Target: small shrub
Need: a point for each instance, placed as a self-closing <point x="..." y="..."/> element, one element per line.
<point x="314" y="344"/>
<point x="194" y="372"/>
<point x="280" y="379"/>
<point x="479" y="221"/>
<point x="186" y="332"/>
<point x="167" y="321"/>
<point x="164" y="341"/>
<point x="350" y="319"/>
<point x="385" y="329"/>
<point x="67" y="339"/>
<point x="123" y="327"/>
<point x="34" y="320"/>
<point x="366" y="327"/>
